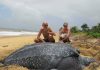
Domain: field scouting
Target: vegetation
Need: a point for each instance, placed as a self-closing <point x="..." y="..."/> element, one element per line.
<point x="74" y="29"/>
<point x="94" y="31"/>
<point x="85" y="28"/>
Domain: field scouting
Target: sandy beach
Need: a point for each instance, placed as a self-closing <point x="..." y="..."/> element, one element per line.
<point x="12" y="43"/>
<point x="9" y="44"/>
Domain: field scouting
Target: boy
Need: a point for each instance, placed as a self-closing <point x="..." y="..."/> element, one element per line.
<point x="64" y="33"/>
<point x="47" y="34"/>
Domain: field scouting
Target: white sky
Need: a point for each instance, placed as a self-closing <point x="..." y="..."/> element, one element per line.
<point x="34" y="12"/>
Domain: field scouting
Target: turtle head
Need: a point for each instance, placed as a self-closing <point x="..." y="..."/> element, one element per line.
<point x="88" y="61"/>
<point x="85" y="61"/>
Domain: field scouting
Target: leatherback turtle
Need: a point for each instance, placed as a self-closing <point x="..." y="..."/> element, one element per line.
<point x="47" y="56"/>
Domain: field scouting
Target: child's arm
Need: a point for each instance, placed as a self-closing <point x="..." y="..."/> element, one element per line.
<point x="51" y="32"/>
<point x="39" y="34"/>
<point x="68" y="34"/>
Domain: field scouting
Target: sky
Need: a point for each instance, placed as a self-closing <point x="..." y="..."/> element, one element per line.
<point x="30" y="14"/>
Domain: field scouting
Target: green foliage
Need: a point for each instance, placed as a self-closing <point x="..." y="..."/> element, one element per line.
<point x="95" y="31"/>
<point x="74" y="29"/>
<point x="96" y="28"/>
<point x="85" y="27"/>
<point x="92" y="34"/>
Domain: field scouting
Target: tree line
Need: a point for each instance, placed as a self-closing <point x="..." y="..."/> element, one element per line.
<point x="94" y="31"/>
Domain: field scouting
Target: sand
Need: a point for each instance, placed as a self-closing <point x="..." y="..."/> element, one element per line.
<point x="10" y="44"/>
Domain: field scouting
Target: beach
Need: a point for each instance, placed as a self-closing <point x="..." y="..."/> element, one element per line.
<point x="9" y="44"/>
<point x="12" y="43"/>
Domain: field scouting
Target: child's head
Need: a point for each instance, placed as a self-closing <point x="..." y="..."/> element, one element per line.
<point x="65" y="24"/>
<point x="45" y="24"/>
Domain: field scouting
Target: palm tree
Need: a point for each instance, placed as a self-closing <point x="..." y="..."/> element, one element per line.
<point x="85" y="27"/>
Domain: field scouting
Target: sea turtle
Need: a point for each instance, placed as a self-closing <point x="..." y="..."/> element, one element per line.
<point x="47" y="56"/>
